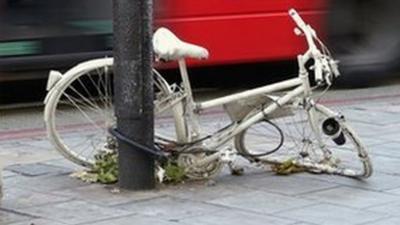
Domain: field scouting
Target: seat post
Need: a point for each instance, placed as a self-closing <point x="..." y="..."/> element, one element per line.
<point x="190" y="104"/>
<point x="185" y="79"/>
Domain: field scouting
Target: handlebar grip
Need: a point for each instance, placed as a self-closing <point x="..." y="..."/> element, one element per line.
<point x="297" y="19"/>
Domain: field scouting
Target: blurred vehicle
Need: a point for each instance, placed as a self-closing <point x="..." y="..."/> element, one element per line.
<point x="44" y="34"/>
<point x="366" y="38"/>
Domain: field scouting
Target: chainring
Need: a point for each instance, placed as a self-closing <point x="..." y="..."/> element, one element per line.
<point x="192" y="171"/>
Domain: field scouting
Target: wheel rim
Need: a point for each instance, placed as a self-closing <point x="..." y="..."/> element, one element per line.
<point x="82" y="112"/>
<point x="208" y="171"/>
<point x="301" y="146"/>
<point x="82" y="115"/>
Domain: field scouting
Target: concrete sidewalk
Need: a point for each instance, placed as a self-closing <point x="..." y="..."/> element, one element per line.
<point x="39" y="191"/>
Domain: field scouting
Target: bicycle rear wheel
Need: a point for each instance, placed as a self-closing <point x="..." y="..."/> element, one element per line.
<point x="80" y="110"/>
<point x="301" y="141"/>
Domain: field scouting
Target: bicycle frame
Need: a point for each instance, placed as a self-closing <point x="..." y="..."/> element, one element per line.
<point x="186" y="112"/>
<point x="202" y="156"/>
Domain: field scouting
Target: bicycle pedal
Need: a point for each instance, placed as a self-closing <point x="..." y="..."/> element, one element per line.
<point x="228" y="155"/>
<point x="236" y="171"/>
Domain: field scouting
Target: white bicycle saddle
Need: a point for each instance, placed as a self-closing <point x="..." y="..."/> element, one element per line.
<point x="168" y="46"/>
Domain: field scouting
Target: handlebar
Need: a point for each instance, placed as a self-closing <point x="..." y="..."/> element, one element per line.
<point x="324" y="65"/>
<point x="297" y="19"/>
<point x="306" y="30"/>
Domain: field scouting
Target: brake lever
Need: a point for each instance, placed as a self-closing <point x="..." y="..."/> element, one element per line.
<point x="298" y="32"/>
<point x="328" y="79"/>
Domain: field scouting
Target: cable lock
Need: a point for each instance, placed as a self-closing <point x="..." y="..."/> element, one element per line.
<point x="155" y="153"/>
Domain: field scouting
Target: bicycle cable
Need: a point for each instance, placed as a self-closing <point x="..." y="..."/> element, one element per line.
<point x="271" y="151"/>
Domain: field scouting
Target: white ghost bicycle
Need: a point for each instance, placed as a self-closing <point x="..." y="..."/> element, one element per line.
<point x="276" y="123"/>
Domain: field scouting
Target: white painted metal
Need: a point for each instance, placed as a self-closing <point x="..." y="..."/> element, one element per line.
<point x="186" y="110"/>
<point x="247" y="122"/>
<point x="191" y="117"/>
<point x="51" y="103"/>
<point x="245" y="94"/>
<point x="55" y="94"/>
<point x="54" y="77"/>
<point x="362" y="152"/>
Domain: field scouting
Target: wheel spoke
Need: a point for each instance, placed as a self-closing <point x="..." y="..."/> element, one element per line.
<point x="302" y="145"/>
<point x="82" y="111"/>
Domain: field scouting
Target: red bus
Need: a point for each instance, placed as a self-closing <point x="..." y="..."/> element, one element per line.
<point x="44" y="34"/>
<point x="241" y="31"/>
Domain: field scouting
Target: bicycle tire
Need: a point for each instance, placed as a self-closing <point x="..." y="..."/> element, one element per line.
<point x="301" y="146"/>
<point x="75" y="98"/>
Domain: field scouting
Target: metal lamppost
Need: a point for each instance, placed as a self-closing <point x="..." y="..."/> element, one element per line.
<point x="133" y="87"/>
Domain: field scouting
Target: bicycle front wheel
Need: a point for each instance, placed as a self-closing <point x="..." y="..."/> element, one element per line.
<point x="80" y="110"/>
<point x="298" y="138"/>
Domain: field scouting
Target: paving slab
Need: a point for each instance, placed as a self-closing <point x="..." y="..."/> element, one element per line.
<point x="232" y="216"/>
<point x="76" y="212"/>
<point x="44" y="184"/>
<point x="17" y="198"/>
<point x="365" y="115"/>
<point x="288" y="185"/>
<point x="63" y="162"/>
<point x="40" y="143"/>
<point x="7" y="217"/>
<point x="395" y="137"/>
<point x="327" y="214"/>
<point x="372" y="141"/>
<point x="135" y="220"/>
<point x="387" y="108"/>
<point x="388" y="149"/>
<point x="387" y="165"/>
<point x="262" y="202"/>
<point x="391" y="209"/>
<point x="365" y="129"/>
<point x="304" y="223"/>
<point x="37" y="169"/>
<point x="7" y="174"/>
<point x="395" y="191"/>
<point x="386" y="221"/>
<point x="202" y="191"/>
<point x="23" y="154"/>
<point x="108" y="195"/>
<point x="6" y="144"/>
<point x="352" y="197"/>
<point x="37" y="222"/>
<point x="377" y="182"/>
<point x="170" y="208"/>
